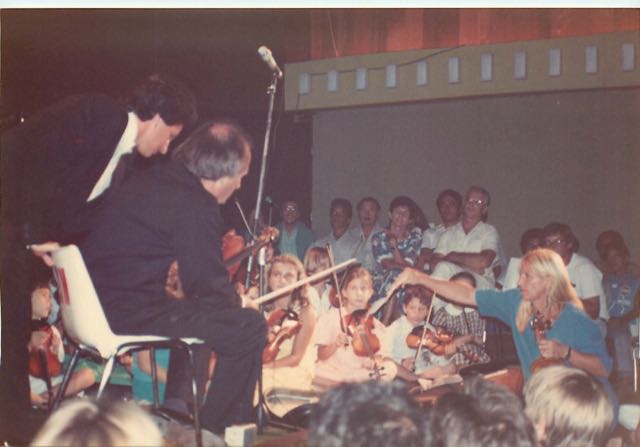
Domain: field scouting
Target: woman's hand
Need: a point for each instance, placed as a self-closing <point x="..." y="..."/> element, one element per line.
<point x="552" y="349"/>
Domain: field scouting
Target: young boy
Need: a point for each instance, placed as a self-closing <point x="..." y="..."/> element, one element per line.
<point x="416" y="303"/>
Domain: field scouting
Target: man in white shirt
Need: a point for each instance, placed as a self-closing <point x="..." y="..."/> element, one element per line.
<point x="583" y="274"/>
<point x="469" y="245"/>
<point x="449" y="203"/>
<point x="359" y="237"/>
<point x="340" y="213"/>
<point x="56" y="168"/>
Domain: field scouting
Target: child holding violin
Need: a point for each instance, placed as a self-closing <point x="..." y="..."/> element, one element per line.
<point x="316" y="260"/>
<point x="342" y="332"/>
<point x="404" y="334"/>
<point x="287" y="359"/>
<point x="46" y="353"/>
<point x="466" y="328"/>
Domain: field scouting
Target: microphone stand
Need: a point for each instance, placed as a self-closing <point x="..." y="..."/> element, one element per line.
<point x="271" y="91"/>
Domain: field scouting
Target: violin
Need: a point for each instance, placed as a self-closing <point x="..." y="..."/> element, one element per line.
<point x="283" y="324"/>
<point x="540" y="326"/>
<point x="43" y="362"/>
<point x="434" y="340"/>
<point x="365" y="343"/>
<point x="234" y="250"/>
<point x="361" y="328"/>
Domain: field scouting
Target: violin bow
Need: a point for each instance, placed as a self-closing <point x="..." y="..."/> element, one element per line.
<point x="301" y="282"/>
<point x="424" y="332"/>
<point x="343" y="324"/>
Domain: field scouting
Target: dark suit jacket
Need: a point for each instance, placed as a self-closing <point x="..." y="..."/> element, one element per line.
<point x="51" y="163"/>
<point x="159" y="215"/>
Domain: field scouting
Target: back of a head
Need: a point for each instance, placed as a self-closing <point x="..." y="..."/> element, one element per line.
<point x="214" y="150"/>
<point x="572" y="406"/>
<point x="367" y="414"/>
<point x="103" y="423"/>
<point x="485" y="414"/>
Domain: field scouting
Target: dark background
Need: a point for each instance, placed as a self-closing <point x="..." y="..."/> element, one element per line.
<point x="50" y="54"/>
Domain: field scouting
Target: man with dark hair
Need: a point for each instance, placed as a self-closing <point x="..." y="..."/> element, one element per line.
<point x="340" y="213"/>
<point x="484" y="414"/>
<point x="584" y="275"/>
<point x="169" y="212"/>
<point x="368" y="210"/>
<point x="369" y="414"/>
<point x="56" y="168"/>
<point x="449" y="203"/>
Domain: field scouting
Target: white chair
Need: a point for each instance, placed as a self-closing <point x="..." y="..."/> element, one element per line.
<point x="85" y="323"/>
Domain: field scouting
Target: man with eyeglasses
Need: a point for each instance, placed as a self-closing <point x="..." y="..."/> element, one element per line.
<point x="583" y="274"/>
<point x="471" y="244"/>
<point x="295" y="236"/>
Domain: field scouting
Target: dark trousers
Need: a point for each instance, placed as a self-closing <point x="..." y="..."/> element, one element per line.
<point x="237" y="336"/>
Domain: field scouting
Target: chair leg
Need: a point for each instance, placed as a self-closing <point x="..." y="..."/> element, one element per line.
<point x="154" y="379"/>
<point x="65" y="379"/>
<point x="196" y="400"/>
<point x="105" y="375"/>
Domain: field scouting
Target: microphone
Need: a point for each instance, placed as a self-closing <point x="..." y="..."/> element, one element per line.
<point x="269" y="201"/>
<point x="267" y="57"/>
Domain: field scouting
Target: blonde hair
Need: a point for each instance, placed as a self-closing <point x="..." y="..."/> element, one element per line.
<point x="312" y="258"/>
<point x="572" y="405"/>
<point x="85" y="422"/>
<point x="299" y="296"/>
<point x="547" y="264"/>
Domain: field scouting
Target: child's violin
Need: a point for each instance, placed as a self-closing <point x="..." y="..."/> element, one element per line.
<point x="283" y="324"/>
<point x="434" y="340"/>
<point x="360" y="326"/>
<point x="43" y="362"/>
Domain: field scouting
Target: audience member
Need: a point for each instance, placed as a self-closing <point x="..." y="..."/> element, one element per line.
<point x="393" y="250"/>
<point x="141" y="382"/>
<point x="484" y="414"/>
<point x="604" y="241"/>
<point x="583" y="274"/>
<point x="360" y="236"/>
<point x="99" y="423"/>
<point x="295" y="237"/>
<point x="370" y="414"/>
<point x="530" y="240"/>
<point x="469" y="245"/>
<point x="449" y="203"/>
<point x="340" y="214"/>
<point x="568" y="408"/>
<point x="622" y="290"/>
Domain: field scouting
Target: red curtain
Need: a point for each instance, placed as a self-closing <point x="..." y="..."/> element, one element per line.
<point x="348" y="32"/>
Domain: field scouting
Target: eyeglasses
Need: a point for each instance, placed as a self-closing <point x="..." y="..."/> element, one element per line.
<point x="475" y="202"/>
<point x="290" y="208"/>
<point x="552" y="242"/>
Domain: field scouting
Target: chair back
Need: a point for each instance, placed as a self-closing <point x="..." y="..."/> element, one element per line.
<point x="82" y="315"/>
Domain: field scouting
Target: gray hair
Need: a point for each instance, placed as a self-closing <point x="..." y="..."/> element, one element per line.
<point x="214" y="150"/>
